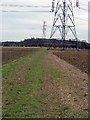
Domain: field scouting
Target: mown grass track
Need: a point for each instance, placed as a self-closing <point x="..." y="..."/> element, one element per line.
<point x="21" y="81"/>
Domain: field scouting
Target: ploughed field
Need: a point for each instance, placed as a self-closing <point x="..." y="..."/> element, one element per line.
<point x="38" y="83"/>
<point x="77" y="58"/>
<point x="11" y="53"/>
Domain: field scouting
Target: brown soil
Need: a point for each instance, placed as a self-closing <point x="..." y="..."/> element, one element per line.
<point x="12" y="53"/>
<point x="72" y="91"/>
<point x="77" y="58"/>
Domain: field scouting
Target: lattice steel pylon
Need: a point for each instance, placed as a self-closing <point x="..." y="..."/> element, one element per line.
<point x="64" y="20"/>
<point x="44" y="30"/>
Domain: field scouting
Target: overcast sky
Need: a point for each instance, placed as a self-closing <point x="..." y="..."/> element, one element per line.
<point x="18" y="26"/>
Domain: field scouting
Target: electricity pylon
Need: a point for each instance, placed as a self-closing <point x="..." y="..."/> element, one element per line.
<point x="64" y="20"/>
<point x="44" y="30"/>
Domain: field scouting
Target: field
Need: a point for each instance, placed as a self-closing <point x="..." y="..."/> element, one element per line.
<point x="38" y="84"/>
<point x="11" y="54"/>
<point x="76" y="58"/>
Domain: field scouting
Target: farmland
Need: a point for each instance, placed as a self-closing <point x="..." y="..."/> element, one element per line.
<point x="10" y="54"/>
<point x="44" y="84"/>
<point x="76" y="58"/>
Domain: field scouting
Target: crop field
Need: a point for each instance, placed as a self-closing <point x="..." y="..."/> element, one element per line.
<point x="38" y="83"/>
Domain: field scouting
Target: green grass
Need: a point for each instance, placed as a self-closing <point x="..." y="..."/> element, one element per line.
<point x="35" y="74"/>
<point x="56" y="74"/>
<point x="66" y="107"/>
<point x="53" y="71"/>
<point x="20" y="97"/>
<point x="0" y="73"/>
<point x="10" y="69"/>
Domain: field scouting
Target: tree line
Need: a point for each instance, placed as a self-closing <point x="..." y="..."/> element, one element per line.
<point x="39" y="42"/>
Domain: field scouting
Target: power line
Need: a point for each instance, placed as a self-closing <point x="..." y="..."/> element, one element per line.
<point x="30" y="6"/>
<point x="22" y="11"/>
<point x="12" y="5"/>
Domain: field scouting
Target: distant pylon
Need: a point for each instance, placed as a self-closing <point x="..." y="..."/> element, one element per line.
<point x="44" y="29"/>
<point x="64" y="20"/>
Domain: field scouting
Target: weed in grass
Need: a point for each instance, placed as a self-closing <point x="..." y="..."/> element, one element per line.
<point x="66" y="108"/>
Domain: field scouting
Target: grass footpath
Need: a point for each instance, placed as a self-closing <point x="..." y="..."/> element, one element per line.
<point x="21" y="82"/>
